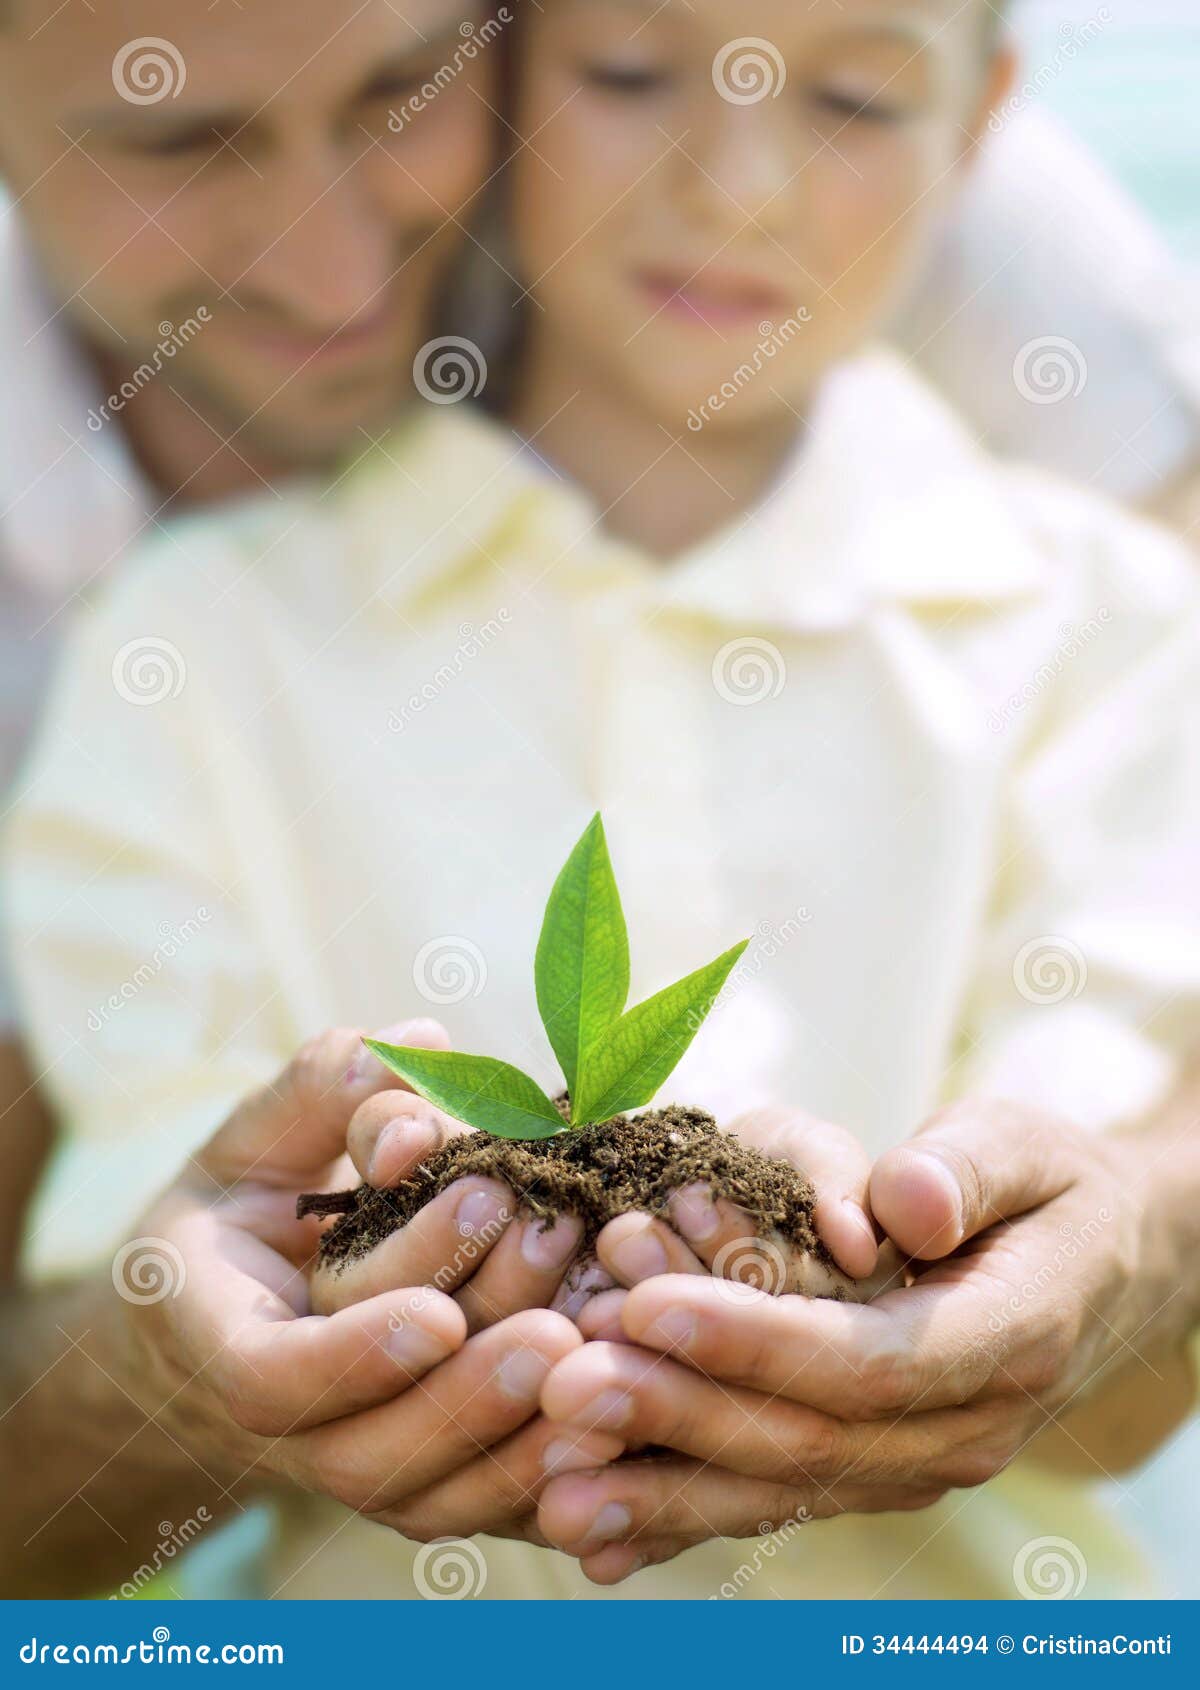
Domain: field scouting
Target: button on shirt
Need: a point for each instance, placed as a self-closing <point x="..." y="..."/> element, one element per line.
<point x="925" y="729"/>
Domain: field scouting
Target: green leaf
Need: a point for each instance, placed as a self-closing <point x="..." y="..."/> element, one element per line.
<point x="629" y="1063"/>
<point x="476" y="1089"/>
<point x="582" y="967"/>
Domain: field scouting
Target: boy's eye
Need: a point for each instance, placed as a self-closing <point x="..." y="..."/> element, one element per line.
<point x="849" y="107"/>
<point x="624" y="79"/>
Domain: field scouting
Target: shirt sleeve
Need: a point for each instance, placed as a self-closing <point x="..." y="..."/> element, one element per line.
<point x="146" y="991"/>
<point x="1056" y="319"/>
<point x="1087" y="1000"/>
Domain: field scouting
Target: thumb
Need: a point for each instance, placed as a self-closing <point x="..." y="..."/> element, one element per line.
<point x="295" y="1126"/>
<point x="967" y="1169"/>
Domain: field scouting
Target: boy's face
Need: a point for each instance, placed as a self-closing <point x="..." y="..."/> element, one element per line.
<point x="699" y="176"/>
<point x="246" y="164"/>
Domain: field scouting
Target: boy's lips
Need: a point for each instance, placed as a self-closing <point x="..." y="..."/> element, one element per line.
<point x="721" y="301"/>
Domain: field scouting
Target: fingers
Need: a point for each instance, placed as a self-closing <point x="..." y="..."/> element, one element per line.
<point x="275" y="1373"/>
<point x="724" y="1241"/>
<point x="636" y="1247"/>
<point x="653" y="1401"/>
<point x="524" y="1271"/>
<point x="616" y="1562"/>
<point x="839" y="1169"/>
<point x="585" y="1280"/>
<point x="295" y="1127"/>
<point x="443" y="1244"/>
<point x="601" y="1317"/>
<point x="970" y="1167"/>
<point x="675" y="1498"/>
<point x="393" y="1132"/>
<point x="684" y="1502"/>
<point x="492" y="1492"/>
<point x="915" y="1348"/>
<point x="481" y="1395"/>
<point x="649" y="1399"/>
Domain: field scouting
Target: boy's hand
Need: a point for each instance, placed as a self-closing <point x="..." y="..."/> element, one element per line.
<point x="473" y="1242"/>
<point x="1051" y="1255"/>
<point x="712" y="1237"/>
<point x="487" y="1271"/>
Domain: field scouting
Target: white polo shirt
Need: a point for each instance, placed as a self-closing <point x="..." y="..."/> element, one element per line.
<point x="926" y="729"/>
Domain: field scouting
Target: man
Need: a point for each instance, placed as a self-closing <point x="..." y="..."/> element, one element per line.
<point x="216" y="267"/>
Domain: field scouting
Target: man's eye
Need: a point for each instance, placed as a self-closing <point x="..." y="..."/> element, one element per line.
<point x="394" y="88"/>
<point x="629" y="80"/>
<point x="185" y="143"/>
<point x="849" y="108"/>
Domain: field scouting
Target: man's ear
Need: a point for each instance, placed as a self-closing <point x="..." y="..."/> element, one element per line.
<point x="999" y="79"/>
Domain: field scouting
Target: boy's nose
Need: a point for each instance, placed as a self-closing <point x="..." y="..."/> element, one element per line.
<point x="741" y="164"/>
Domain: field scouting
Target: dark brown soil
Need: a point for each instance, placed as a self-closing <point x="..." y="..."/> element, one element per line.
<point x="596" y="1173"/>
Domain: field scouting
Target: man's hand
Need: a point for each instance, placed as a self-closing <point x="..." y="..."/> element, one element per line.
<point x="496" y="1265"/>
<point x="375" y="1402"/>
<point x="227" y="1383"/>
<point x="1042" y="1257"/>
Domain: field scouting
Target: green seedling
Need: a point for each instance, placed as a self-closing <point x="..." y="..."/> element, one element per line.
<point x="612" y="1059"/>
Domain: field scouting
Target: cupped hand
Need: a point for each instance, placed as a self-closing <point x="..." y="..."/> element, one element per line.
<point x="707" y="1236"/>
<point x="1037" y="1264"/>
<point x="373" y="1404"/>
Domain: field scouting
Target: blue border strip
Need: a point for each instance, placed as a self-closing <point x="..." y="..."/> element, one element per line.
<point x="599" y="1646"/>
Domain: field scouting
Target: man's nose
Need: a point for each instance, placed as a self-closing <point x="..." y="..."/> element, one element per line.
<point x="322" y="247"/>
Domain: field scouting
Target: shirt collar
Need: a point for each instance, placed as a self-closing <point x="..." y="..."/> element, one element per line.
<point x="71" y="496"/>
<point x="886" y="499"/>
<point x="444" y="494"/>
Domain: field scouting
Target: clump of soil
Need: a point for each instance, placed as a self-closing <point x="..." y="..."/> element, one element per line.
<point x="596" y="1173"/>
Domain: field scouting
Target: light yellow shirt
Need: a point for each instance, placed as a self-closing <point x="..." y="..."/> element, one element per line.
<point x="925" y="728"/>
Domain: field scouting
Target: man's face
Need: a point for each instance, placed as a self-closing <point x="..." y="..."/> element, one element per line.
<point x="251" y="163"/>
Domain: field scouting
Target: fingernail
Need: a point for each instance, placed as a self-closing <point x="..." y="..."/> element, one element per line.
<point x="521" y="1376"/>
<point x="548" y="1247"/>
<point x="695" y="1213"/>
<point x="419" y="1140"/>
<point x="614" y="1520"/>
<point x="481" y="1213"/>
<point x="414" y="1349"/>
<point x="610" y="1409"/>
<point x="639" y="1257"/>
<point x="568" y="1455"/>
<point x="674" y="1329"/>
<point x="581" y="1287"/>
<point x="942" y="1176"/>
<point x="367" y="1065"/>
<point x="860" y="1222"/>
